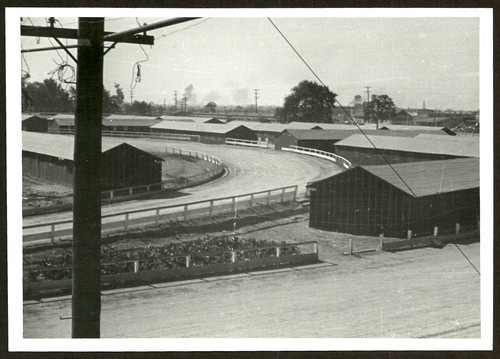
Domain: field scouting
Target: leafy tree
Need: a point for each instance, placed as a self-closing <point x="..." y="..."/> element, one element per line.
<point x="211" y="107"/>
<point x="48" y="96"/>
<point x="309" y="102"/>
<point x="380" y="108"/>
<point x="110" y="103"/>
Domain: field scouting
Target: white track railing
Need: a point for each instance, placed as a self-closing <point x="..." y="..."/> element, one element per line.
<point x="194" y="154"/>
<point x="179" y="212"/>
<point x="249" y="143"/>
<point x="341" y="161"/>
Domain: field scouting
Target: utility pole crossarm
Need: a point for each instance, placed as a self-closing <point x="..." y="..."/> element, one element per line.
<point x="62" y="33"/>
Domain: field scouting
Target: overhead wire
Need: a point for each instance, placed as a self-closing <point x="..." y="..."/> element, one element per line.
<point x="136" y="68"/>
<point x="342" y="107"/>
<point x="468" y="260"/>
<point x="184" y="28"/>
<point x="66" y="73"/>
<point x="355" y="123"/>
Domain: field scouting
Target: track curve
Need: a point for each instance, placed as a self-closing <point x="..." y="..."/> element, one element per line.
<point x="247" y="170"/>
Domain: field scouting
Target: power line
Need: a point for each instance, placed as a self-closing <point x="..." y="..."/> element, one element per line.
<point x="342" y="107"/>
<point x="467" y="258"/>
<point x="185" y="28"/>
<point x="137" y="64"/>
<point x="368" y="89"/>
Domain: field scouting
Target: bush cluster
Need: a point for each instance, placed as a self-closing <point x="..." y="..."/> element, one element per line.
<point x="203" y="251"/>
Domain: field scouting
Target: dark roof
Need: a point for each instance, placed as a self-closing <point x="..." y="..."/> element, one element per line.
<point x="455" y="147"/>
<point x="431" y="177"/>
<point x="60" y="146"/>
<point x="427" y="177"/>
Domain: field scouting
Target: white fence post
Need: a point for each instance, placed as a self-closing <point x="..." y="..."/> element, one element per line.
<point x="436" y="229"/>
<point x="188" y="261"/>
<point x="136" y="266"/>
<point x="381" y="241"/>
<point x="409" y="234"/>
<point x="350" y="245"/>
<point x="210" y="211"/>
<point x="185" y="212"/>
<point x="52" y="233"/>
<point x="233" y="256"/>
<point x="157" y="217"/>
<point x="278" y="251"/>
<point x="126" y="221"/>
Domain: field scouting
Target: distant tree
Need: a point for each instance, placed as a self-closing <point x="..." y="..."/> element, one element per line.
<point x="211" y="107"/>
<point x="278" y="114"/>
<point x="116" y="101"/>
<point x="380" y="108"/>
<point x="47" y="96"/>
<point x="112" y="103"/>
<point x="140" y="108"/>
<point x="309" y="102"/>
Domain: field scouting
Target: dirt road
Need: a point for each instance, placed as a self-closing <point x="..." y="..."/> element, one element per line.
<point x="424" y="293"/>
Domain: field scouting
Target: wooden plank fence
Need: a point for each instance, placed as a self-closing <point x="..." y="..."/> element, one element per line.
<point x="180" y="212"/>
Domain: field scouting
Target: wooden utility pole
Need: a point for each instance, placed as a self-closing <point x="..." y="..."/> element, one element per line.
<point x="256" y="93"/>
<point x="86" y="279"/>
<point x="86" y="304"/>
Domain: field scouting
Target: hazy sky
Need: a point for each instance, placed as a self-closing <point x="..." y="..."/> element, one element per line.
<point x="225" y="59"/>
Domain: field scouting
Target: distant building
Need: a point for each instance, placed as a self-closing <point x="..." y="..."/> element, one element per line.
<point x="396" y="149"/>
<point x="211" y="133"/>
<point x="129" y="123"/>
<point x="34" y="123"/>
<point x="61" y="123"/>
<point x="370" y="200"/>
<point x="404" y="117"/>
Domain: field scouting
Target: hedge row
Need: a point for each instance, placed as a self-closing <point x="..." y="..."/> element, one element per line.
<point x="203" y="251"/>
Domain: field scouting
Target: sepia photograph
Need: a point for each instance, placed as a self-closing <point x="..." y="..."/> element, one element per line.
<point x="259" y="179"/>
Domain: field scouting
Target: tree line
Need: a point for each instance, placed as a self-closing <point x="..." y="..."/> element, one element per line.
<point x="307" y="102"/>
<point x="50" y="96"/>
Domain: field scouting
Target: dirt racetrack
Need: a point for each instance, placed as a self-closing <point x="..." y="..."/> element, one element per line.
<point x="248" y="170"/>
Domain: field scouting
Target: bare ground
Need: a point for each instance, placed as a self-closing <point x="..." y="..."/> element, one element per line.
<point x="422" y="293"/>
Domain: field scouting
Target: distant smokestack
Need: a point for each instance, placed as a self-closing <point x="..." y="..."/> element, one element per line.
<point x="423" y="106"/>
